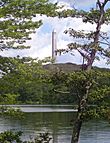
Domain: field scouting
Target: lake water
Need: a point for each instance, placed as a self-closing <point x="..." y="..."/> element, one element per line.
<point x="57" y="121"/>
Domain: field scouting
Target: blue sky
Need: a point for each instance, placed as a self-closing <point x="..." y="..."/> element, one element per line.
<point x="41" y="41"/>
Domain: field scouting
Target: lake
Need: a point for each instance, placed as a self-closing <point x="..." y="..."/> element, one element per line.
<point x="57" y="121"/>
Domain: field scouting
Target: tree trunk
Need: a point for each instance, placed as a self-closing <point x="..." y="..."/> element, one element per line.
<point x="76" y="129"/>
<point x="80" y="116"/>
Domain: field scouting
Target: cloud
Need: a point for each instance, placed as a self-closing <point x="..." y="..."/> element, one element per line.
<point x="80" y="4"/>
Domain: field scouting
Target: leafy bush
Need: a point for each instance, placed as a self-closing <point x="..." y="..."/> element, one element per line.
<point x="15" y="137"/>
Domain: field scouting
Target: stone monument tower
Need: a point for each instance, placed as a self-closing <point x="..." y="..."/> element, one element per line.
<point x="54" y="44"/>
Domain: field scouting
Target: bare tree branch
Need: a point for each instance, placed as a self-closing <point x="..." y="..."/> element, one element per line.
<point x="105" y="2"/>
<point x="63" y="92"/>
<point x="105" y="38"/>
<point x="99" y="4"/>
<point x="104" y="43"/>
<point x="84" y="55"/>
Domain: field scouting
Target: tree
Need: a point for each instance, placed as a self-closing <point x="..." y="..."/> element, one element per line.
<point x="92" y="97"/>
<point x="24" y="80"/>
<point x="16" y="21"/>
<point x="16" y="25"/>
<point x="97" y="45"/>
<point x="90" y="102"/>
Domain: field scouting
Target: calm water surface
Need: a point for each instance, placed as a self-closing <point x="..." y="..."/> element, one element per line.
<point x="57" y="121"/>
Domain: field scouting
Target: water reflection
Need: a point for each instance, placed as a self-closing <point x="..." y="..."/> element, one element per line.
<point x="58" y="124"/>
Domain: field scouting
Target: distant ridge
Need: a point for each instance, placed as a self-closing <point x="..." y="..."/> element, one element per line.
<point x="68" y="67"/>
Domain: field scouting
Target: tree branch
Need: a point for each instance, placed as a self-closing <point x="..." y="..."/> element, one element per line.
<point x="104" y="43"/>
<point x="99" y="4"/>
<point x="63" y="92"/>
<point x="105" y="2"/>
<point x="84" y="55"/>
<point x="104" y="38"/>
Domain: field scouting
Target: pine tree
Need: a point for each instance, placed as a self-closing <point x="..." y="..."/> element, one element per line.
<point x="16" y="21"/>
<point x="96" y="44"/>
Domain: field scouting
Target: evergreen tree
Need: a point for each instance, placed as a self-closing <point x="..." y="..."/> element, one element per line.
<point x="96" y="44"/>
<point x="93" y="44"/>
<point x="16" y="21"/>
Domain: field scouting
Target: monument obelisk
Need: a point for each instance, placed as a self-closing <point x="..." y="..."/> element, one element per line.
<point x="54" y="45"/>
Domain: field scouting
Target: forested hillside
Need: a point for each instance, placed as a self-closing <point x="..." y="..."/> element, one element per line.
<point x="27" y="81"/>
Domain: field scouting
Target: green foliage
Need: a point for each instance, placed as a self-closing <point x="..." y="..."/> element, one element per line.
<point x="28" y="82"/>
<point x="43" y="137"/>
<point x="26" y="79"/>
<point x="10" y="137"/>
<point x="16" y="20"/>
<point x="74" y="87"/>
<point x="8" y="98"/>
<point x="11" y="112"/>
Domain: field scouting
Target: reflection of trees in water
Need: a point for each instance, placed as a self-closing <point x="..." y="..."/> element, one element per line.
<point x="55" y="127"/>
<point x="58" y="125"/>
<point x="55" y="123"/>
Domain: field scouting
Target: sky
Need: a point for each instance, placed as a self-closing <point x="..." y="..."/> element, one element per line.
<point x="41" y="43"/>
